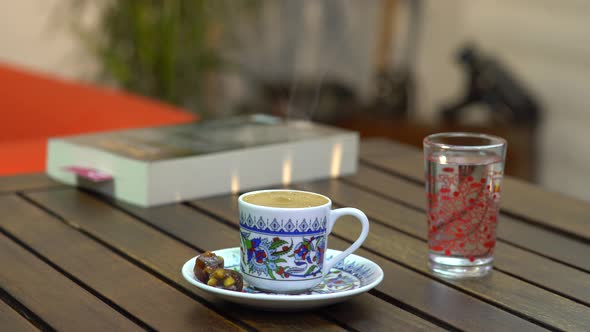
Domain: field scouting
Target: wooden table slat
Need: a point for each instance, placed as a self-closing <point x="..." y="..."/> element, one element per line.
<point x="379" y="147"/>
<point x="414" y="289"/>
<point x="26" y="182"/>
<point x="160" y="253"/>
<point x="60" y="302"/>
<point x="373" y="314"/>
<point x="520" y="199"/>
<point x="511" y="230"/>
<point x="138" y="292"/>
<point x="10" y="320"/>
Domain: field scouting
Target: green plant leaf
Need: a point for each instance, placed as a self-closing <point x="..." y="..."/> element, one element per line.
<point x="280" y="260"/>
<point x="170" y="50"/>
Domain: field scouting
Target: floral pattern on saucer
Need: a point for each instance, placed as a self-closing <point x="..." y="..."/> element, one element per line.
<point x="343" y="277"/>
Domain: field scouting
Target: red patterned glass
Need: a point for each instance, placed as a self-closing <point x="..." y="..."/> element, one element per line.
<point x="463" y="188"/>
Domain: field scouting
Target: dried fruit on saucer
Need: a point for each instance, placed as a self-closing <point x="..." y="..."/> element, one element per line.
<point x="206" y="263"/>
<point x="226" y="279"/>
<point x="209" y="270"/>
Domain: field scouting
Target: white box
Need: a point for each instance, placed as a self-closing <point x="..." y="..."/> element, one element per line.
<point x="167" y="164"/>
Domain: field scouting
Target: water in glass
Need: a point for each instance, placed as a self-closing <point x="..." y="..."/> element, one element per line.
<point x="463" y="191"/>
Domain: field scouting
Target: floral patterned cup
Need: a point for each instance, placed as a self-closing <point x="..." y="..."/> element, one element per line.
<point x="282" y="249"/>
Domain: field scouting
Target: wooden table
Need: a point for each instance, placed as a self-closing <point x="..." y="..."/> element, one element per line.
<point x="71" y="260"/>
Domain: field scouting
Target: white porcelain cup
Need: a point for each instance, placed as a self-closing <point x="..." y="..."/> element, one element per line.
<point x="282" y="249"/>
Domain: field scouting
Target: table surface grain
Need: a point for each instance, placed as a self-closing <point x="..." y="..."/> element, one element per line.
<point x="73" y="260"/>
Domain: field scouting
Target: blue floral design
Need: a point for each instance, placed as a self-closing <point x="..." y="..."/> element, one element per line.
<point x="307" y="256"/>
<point x="263" y="255"/>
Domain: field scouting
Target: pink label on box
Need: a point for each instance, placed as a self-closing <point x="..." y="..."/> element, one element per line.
<point x="91" y="174"/>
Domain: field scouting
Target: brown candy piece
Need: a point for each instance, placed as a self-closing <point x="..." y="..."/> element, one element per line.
<point x="226" y="279"/>
<point x="206" y="263"/>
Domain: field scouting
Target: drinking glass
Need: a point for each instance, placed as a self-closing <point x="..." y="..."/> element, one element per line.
<point x="463" y="176"/>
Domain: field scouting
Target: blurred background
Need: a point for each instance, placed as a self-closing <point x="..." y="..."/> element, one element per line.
<point x="392" y="68"/>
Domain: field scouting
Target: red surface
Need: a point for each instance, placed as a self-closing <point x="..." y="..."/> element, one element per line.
<point x="34" y="107"/>
<point x="22" y="156"/>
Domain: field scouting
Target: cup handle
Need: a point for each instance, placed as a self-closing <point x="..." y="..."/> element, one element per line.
<point x="334" y="215"/>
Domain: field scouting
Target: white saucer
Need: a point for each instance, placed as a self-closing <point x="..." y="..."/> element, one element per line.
<point x="353" y="276"/>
